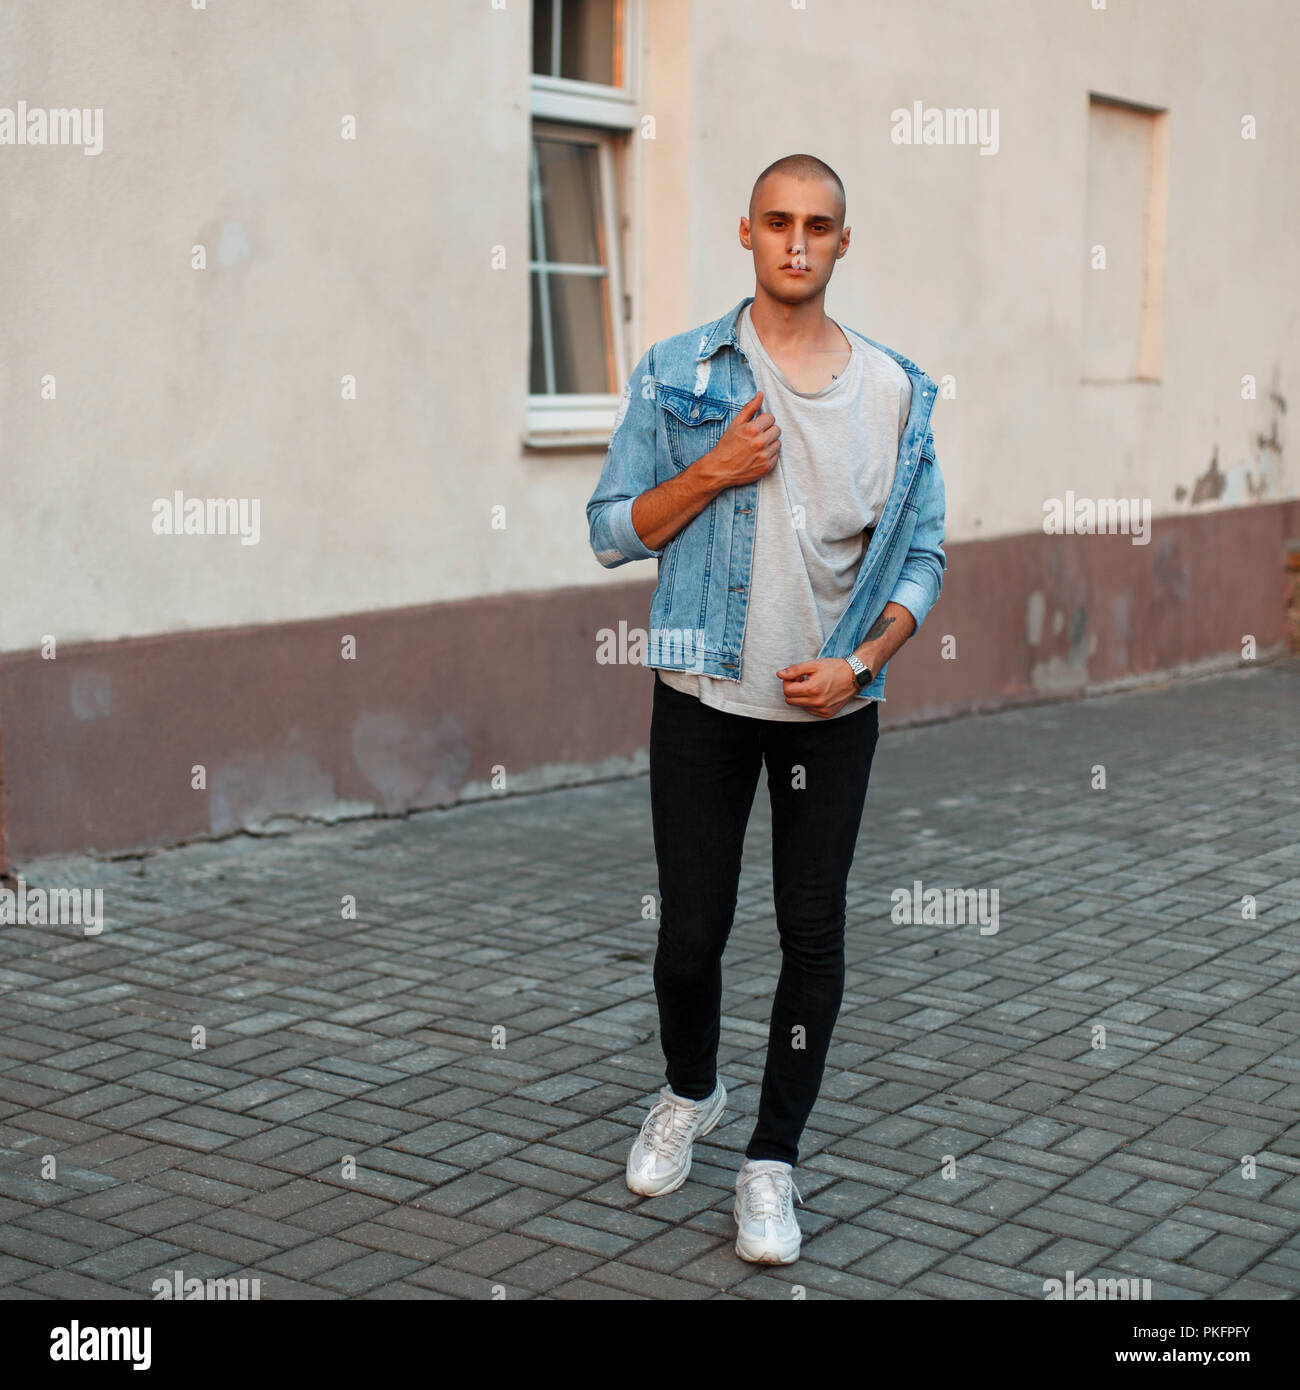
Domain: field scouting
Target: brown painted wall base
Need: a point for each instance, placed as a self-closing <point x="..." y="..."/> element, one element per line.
<point x="99" y="744"/>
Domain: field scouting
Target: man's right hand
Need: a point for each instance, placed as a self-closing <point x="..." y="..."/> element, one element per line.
<point x="749" y="447"/>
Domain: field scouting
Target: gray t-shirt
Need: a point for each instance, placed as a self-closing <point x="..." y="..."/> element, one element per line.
<point x="839" y="450"/>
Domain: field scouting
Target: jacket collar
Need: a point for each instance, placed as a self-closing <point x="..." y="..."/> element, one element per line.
<point x="722" y="333"/>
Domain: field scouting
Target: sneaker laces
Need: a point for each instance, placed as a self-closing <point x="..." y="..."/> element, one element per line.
<point x="667" y="1125"/>
<point x="765" y="1193"/>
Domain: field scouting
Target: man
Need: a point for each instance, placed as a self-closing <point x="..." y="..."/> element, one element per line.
<point x="780" y="468"/>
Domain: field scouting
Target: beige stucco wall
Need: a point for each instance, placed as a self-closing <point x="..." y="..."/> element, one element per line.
<point x="374" y="257"/>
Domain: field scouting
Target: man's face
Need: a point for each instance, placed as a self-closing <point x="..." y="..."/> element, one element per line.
<point x="795" y="235"/>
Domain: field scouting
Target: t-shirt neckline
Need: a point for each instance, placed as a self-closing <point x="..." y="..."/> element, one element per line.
<point x="781" y="376"/>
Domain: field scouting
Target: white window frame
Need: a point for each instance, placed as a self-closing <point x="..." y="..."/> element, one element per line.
<point x="600" y="115"/>
<point x="595" y="103"/>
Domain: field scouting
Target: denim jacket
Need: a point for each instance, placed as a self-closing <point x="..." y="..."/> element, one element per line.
<point x="682" y="395"/>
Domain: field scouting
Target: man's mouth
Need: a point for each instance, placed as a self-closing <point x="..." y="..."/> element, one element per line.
<point x="797" y="269"/>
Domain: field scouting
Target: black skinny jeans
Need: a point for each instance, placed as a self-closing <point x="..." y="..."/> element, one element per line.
<point x="704" y="766"/>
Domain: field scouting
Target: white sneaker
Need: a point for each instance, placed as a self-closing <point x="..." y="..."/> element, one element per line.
<point x="660" y="1158"/>
<point x="766" y="1230"/>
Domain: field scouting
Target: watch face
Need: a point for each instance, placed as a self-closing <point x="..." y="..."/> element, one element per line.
<point x="864" y="678"/>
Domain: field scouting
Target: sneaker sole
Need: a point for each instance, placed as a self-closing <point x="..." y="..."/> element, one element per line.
<point x="676" y="1182"/>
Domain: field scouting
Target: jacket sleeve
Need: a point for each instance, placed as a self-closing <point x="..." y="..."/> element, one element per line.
<point x="628" y="472"/>
<point x="921" y="576"/>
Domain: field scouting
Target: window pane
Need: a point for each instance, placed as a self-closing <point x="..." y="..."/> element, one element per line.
<point x="578" y="332"/>
<point x="537" y="359"/>
<point x="587" y="40"/>
<point x="570" y="202"/>
<point x="543" y="11"/>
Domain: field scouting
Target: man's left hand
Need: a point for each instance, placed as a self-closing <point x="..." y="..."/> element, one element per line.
<point x="821" y="687"/>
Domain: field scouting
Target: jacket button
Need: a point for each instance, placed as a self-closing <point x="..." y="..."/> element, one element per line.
<point x="695" y="410"/>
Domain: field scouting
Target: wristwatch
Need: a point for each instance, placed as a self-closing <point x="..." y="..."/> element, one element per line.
<point x="863" y="675"/>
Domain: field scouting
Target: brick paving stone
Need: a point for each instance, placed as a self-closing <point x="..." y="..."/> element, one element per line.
<point x="1102" y="1213"/>
<point x="999" y="1278"/>
<point x="375" y="1235"/>
<point x="954" y="1218"/>
<point x="897" y="1261"/>
<point x="1065" y="1253"/>
<point x="279" y="1288"/>
<point x="68" y="1283"/>
<point x="1273" y="1272"/>
<point x="211" y="1240"/>
<point x="513" y="1208"/>
<point x="211" y="1191"/>
<point x="80" y="1230"/>
<point x="818" y="1281"/>
<point x="404" y="1290"/>
<point x="938" y="1285"/>
<point x="368" y="1272"/>
<point x="127" y="1259"/>
<point x="584" y="1289"/>
<point x="1269" y="1231"/>
<point x="337" y="1209"/>
<point x="12" y="1270"/>
<point x="38" y="1247"/>
<point x="463" y="1194"/>
<point x="841" y="1243"/>
<point x="1101" y="1183"/>
<point x="314" y="1257"/>
<point x="156" y="1216"/>
<point x="1225" y="1254"/>
<point x="1154" y="1198"/>
<point x="497" y="1253"/>
<point x="422" y="1172"/>
<point x="844" y="1199"/>
<point x="545" y="1270"/>
<point x="1082" y="1227"/>
<point x="671" y="1249"/>
<point x="575" y="1236"/>
<point x="618" y="1274"/>
<point x="1003" y="1198"/>
<point x="509" y="1172"/>
<point x="640" y="1225"/>
<point x="278" y="1235"/>
<point x="1009" y="1244"/>
<point x="1171" y="1274"/>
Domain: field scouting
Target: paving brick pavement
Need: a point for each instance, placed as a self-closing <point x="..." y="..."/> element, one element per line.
<point x="480" y="1041"/>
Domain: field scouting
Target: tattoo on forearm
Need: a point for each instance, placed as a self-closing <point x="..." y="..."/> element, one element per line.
<point x="878" y="628"/>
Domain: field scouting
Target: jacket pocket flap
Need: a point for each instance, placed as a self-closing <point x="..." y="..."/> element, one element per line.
<point x="691" y="410"/>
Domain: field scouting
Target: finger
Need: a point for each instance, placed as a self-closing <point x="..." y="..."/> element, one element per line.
<point x="799" y="668"/>
<point x="748" y="409"/>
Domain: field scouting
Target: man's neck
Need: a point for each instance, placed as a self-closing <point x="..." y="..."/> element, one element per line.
<point x="793" y="328"/>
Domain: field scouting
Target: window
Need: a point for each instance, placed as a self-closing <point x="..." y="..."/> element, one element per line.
<point x="1128" y="183"/>
<point x="578" y="39"/>
<point x="574" y="307"/>
<point x="579" y="180"/>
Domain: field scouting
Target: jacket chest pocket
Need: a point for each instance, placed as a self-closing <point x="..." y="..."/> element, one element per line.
<point x="693" y="424"/>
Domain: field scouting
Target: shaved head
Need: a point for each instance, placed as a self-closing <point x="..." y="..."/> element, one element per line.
<point x="800" y="166"/>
